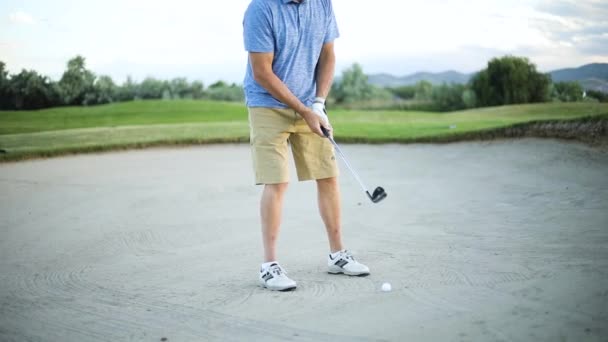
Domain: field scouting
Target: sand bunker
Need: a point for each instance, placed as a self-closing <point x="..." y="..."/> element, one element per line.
<point x="480" y="241"/>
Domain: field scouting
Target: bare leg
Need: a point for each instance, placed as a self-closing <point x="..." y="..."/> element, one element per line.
<point x="328" y="192"/>
<point x="271" y="207"/>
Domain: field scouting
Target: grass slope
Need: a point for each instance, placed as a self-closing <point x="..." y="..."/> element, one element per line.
<point x="140" y="124"/>
<point x="121" y="114"/>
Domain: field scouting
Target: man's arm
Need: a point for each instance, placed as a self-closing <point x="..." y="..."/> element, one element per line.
<point x="261" y="64"/>
<point x="325" y="70"/>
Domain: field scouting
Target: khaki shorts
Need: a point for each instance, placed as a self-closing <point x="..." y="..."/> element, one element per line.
<point x="271" y="130"/>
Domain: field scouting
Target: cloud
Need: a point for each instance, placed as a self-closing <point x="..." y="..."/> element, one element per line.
<point x="586" y="9"/>
<point x="203" y="39"/>
<point x="582" y="25"/>
<point x="20" y="17"/>
<point x="594" y="44"/>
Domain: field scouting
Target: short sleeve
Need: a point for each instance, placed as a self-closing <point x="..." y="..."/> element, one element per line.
<point x="257" y="29"/>
<point x="332" y="27"/>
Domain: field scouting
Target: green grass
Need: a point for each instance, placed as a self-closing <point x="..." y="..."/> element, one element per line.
<point x="139" y="124"/>
<point x="397" y="126"/>
<point x="121" y="114"/>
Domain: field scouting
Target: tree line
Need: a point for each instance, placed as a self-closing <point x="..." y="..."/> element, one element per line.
<point x="505" y="80"/>
<point x="79" y="86"/>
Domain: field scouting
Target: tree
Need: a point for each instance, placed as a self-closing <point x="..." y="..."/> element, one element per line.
<point x="598" y="95"/>
<point x="510" y="80"/>
<point x="128" y="91"/>
<point x="76" y="82"/>
<point x="218" y="84"/>
<point x="32" y="91"/>
<point x="353" y="86"/>
<point x="197" y="89"/>
<point x="180" y="88"/>
<point x="5" y="90"/>
<point x="221" y="91"/>
<point x="568" y="91"/>
<point x="484" y="93"/>
<point x="448" y="97"/>
<point x="424" y="91"/>
<point x="152" y="88"/>
<point x="105" y="90"/>
<point x="404" y="92"/>
<point x="469" y="99"/>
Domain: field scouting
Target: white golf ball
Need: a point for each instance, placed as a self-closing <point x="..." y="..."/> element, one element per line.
<point x="386" y="287"/>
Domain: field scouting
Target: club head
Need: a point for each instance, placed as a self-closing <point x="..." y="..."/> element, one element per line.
<point x="378" y="195"/>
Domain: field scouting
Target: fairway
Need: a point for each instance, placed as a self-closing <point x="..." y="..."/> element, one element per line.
<point x="140" y="124"/>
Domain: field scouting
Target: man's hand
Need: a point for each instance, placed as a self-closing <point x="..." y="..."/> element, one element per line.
<point x="315" y="122"/>
<point x="261" y="63"/>
<point x="318" y="107"/>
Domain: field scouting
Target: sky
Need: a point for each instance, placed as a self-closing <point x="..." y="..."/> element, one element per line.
<point x="202" y="39"/>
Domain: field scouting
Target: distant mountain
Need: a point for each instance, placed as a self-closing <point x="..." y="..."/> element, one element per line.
<point x="595" y="84"/>
<point x="591" y="76"/>
<point x="595" y="70"/>
<point x="387" y="80"/>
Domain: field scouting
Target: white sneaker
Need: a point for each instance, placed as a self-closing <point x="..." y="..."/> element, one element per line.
<point x="275" y="278"/>
<point x="345" y="263"/>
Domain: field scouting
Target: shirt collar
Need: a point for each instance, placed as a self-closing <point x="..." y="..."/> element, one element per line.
<point x="288" y="1"/>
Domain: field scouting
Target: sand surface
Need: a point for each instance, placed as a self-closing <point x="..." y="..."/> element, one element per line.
<point x="501" y="241"/>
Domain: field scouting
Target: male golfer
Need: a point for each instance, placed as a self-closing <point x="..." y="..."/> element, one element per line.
<point x="289" y="74"/>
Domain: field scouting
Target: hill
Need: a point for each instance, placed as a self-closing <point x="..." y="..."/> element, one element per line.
<point x="591" y="76"/>
<point x="387" y="80"/>
<point x="139" y="124"/>
<point x="589" y="71"/>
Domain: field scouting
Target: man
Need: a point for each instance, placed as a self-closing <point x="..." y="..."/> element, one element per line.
<point x="289" y="74"/>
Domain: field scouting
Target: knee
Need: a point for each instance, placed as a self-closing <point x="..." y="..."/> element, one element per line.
<point x="328" y="182"/>
<point x="276" y="189"/>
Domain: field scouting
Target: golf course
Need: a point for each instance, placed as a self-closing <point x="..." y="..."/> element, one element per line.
<point x="138" y="124"/>
<point x="482" y="237"/>
<point x="158" y="181"/>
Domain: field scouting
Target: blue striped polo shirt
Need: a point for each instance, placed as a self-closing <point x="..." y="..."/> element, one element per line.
<point x="295" y="33"/>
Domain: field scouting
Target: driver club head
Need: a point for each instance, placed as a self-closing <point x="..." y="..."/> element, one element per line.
<point x="378" y="195"/>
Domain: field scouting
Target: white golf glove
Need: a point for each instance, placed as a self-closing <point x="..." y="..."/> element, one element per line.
<point x="319" y="108"/>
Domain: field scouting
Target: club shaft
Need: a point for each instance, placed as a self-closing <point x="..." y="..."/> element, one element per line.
<point x="348" y="165"/>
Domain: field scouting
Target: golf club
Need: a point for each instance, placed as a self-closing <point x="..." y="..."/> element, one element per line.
<point x="379" y="193"/>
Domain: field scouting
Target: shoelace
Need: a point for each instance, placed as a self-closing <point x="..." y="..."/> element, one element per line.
<point x="348" y="255"/>
<point x="276" y="269"/>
